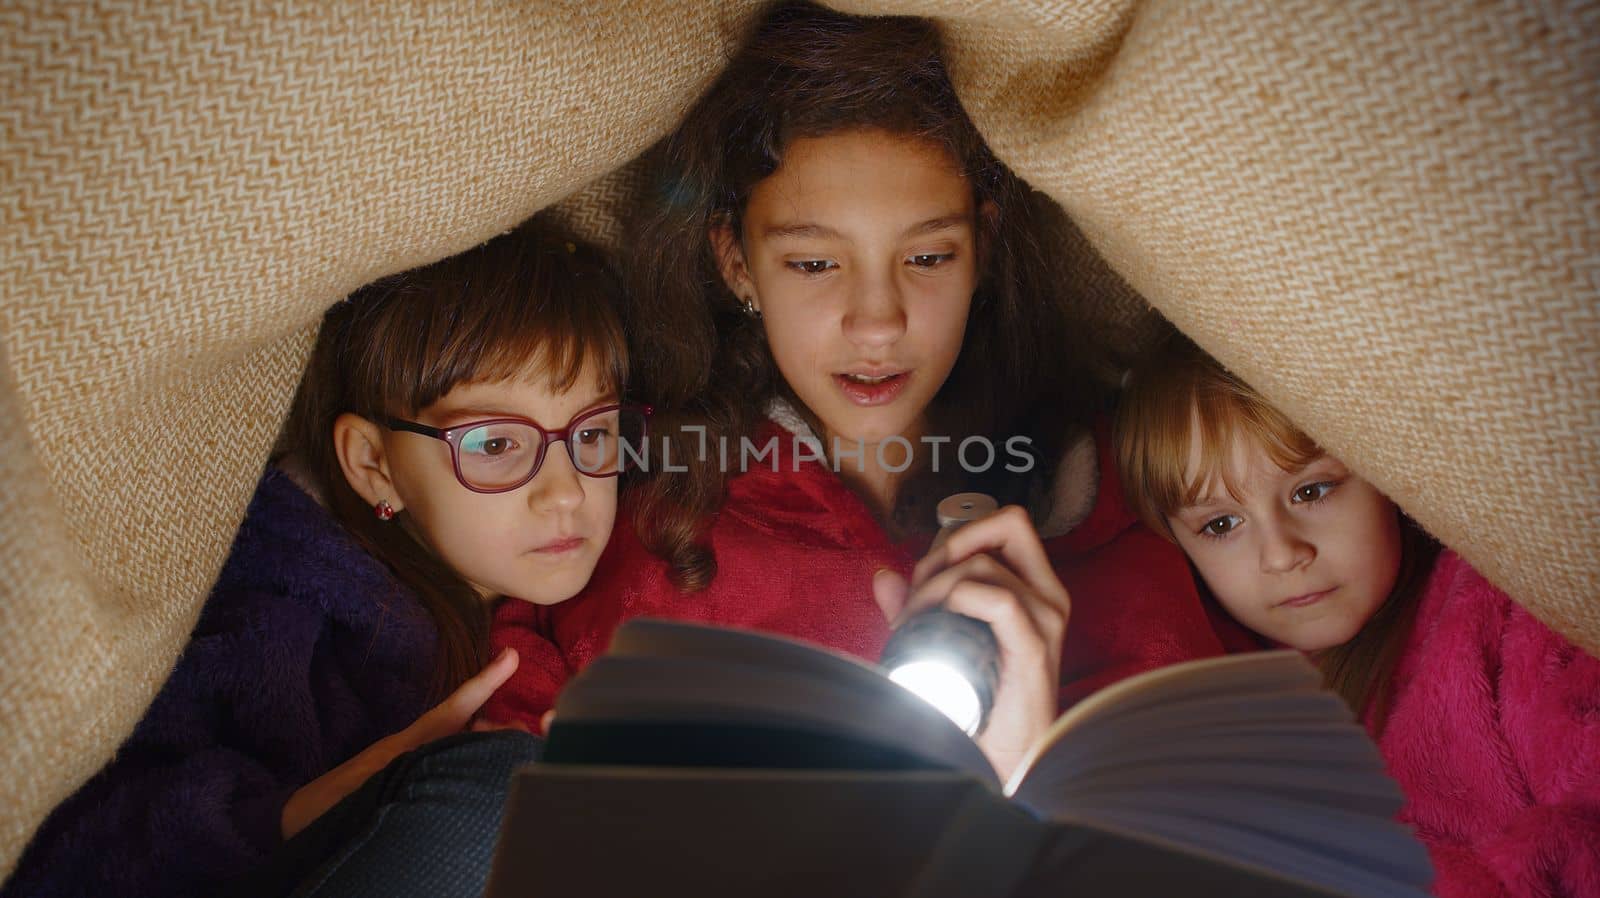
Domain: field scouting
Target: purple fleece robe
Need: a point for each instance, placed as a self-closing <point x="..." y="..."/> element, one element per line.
<point x="306" y="652"/>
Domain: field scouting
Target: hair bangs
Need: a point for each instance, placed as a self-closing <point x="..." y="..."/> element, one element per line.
<point x="1225" y="410"/>
<point x="1178" y="429"/>
<point x="534" y="310"/>
<point x="1152" y="442"/>
<point x="559" y="342"/>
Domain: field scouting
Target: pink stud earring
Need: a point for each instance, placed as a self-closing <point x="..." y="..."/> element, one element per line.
<point x="383" y="510"/>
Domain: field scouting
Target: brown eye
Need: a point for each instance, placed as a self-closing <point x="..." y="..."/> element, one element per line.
<point x="590" y="436"/>
<point x="812" y="266"/>
<point x="1312" y="492"/>
<point x="497" y="441"/>
<point x="1220" y="526"/>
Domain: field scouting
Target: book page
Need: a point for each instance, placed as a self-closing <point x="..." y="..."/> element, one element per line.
<point x="1226" y="675"/>
<point x="1245" y="758"/>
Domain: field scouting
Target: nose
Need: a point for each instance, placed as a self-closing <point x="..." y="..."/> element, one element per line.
<point x="1284" y="548"/>
<point x="876" y="316"/>
<point x="558" y="486"/>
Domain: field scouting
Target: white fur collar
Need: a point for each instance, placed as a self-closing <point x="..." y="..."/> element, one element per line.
<point x="1072" y="491"/>
<point x="784" y="415"/>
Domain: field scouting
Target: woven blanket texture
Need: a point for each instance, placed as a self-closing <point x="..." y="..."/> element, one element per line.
<point x="1384" y="215"/>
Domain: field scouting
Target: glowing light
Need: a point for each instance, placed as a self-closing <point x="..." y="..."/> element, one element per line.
<point x="943" y="686"/>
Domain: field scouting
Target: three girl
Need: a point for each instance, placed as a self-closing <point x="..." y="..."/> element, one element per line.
<point x="841" y="300"/>
<point x="452" y="445"/>
<point x="1488" y="719"/>
<point x="836" y="271"/>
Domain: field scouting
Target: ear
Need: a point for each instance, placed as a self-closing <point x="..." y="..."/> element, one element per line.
<point x="359" y="445"/>
<point x="729" y="253"/>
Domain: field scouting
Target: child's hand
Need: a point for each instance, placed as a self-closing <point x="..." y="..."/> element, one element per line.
<point x="995" y="570"/>
<point x="446" y="718"/>
<point x="484" y="725"/>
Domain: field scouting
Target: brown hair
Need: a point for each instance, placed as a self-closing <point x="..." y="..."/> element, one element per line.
<point x="808" y="72"/>
<point x="1181" y="394"/>
<point x="400" y="344"/>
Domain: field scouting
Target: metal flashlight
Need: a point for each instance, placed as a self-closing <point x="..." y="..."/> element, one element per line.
<point x="949" y="660"/>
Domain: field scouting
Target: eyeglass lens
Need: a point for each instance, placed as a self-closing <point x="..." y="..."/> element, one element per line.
<point x="496" y="456"/>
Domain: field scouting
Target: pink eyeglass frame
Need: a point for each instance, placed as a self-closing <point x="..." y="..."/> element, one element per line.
<point x="452" y="437"/>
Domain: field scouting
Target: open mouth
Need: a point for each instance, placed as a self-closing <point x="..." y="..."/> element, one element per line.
<point x="872" y="389"/>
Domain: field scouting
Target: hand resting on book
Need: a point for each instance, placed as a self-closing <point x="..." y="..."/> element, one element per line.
<point x="995" y="569"/>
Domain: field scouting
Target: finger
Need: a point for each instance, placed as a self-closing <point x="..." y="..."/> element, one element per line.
<point x="1029" y="660"/>
<point x="935" y="590"/>
<point x="1026" y="636"/>
<point x="937" y="559"/>
<point x="459" y="707"/>
<point x="1009" y="534"/>
<point x="545" y="720"/>
<point x="1047" y="617"/>
<point x="890" y="591"/>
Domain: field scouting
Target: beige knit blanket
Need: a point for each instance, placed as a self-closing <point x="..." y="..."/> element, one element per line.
<point x="1385" y="215"/>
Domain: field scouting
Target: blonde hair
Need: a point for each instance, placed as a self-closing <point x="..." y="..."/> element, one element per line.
<point x="1181" y="395"/>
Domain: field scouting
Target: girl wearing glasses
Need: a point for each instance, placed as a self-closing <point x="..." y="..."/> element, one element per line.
<point x="455" y="443"/>
<point x="835" y="265"/>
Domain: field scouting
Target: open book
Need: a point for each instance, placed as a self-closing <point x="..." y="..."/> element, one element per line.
<point x="707" y="761"/>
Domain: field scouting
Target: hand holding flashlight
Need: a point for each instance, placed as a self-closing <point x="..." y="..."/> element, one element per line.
<point x="995" y="570"/>
<point x="945" y="658"/>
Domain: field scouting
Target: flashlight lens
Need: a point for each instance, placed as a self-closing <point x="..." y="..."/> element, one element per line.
<point x="942" y="686"/>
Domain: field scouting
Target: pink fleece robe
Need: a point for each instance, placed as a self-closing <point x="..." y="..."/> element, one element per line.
<point x="1494" y="734"/>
